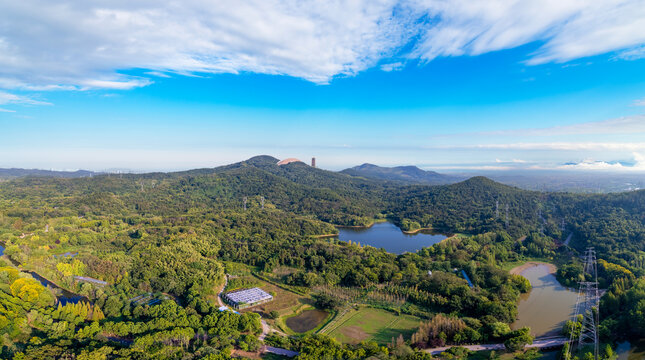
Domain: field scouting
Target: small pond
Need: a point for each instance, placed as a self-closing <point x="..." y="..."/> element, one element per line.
<point x="389" y="237"/>
<point x="307" y="320"/>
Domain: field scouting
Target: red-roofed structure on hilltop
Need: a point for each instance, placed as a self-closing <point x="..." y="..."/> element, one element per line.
<point x="288" y="161"/>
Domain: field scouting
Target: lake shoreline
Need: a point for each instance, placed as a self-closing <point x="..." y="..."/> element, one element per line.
<point x="412" y="232"/>
<point x="387" y="235"/>
<point x="323" y="236"/>
<point x="375" y="221"/>
<point x="518" y="270"/>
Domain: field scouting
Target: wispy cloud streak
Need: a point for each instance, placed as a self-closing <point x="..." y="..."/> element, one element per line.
<point x="71" y="44"/>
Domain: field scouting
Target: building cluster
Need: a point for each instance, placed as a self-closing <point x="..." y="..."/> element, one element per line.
<point x="244" y="298"/>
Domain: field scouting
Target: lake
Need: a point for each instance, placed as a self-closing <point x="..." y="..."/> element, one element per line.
<point x="389" y="237"/>
<point x="547" y="306"/>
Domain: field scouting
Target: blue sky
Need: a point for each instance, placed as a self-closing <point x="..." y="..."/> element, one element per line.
<point x="449" y="86"/>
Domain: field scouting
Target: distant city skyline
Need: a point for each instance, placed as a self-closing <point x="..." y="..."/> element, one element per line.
<point x="447" y="86"/>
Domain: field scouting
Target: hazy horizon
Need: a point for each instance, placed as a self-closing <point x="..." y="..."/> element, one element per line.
<point x="464" y="86"/>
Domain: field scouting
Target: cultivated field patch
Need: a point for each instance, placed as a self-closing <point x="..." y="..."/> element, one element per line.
<point x="372" y="324"/>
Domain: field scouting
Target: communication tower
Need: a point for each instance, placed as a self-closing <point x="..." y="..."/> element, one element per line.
<point x="244" y="200"/>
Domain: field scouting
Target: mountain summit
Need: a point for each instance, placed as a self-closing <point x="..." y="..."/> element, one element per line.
<point x="408" y="174"/>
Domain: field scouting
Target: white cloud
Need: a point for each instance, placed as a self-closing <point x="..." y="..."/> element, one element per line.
<point x="85" y="43"/>
<point x="73" y="44"/>
<point x="514" y="161"/>
<point x="632" y="54"/>
<point x="157" y="74"/>
<point x="7" y="110"/>
<point x="9" y="98"/>
<point x="392" y="66"/>
<point x="639" y="165"/>
<point x="115" y="85"/>
<point x="639" y="102"/>
<point x="570" y="29"/>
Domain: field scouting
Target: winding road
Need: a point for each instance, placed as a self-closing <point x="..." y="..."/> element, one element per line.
<point x="219" y="294"/>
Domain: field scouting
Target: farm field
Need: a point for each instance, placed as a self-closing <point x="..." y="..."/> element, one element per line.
<point x="372" y="324"/>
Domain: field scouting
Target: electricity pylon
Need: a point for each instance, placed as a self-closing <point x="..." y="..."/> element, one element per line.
<point x="587" y="306"/>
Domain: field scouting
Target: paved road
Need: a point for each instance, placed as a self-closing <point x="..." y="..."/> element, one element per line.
<point x="481" y="347"/>
<point x="538" y="343"/>
<point x="548" y="343"/>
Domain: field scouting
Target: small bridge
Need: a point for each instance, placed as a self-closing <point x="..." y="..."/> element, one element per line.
<point x="551" y="342"/>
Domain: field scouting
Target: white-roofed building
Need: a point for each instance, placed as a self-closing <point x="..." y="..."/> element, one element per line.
<point x="244" y="298"/>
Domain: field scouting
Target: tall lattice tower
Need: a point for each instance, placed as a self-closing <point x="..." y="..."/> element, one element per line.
<point x="587" y="305"/>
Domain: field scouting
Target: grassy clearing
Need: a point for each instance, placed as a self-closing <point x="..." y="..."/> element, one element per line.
<point x="372" y="324"/>
<point x="284" y="302"/>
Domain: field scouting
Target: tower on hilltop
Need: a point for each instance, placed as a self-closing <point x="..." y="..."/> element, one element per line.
<point x="313" y="162"/>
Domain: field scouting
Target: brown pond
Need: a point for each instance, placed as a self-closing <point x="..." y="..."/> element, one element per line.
<point x="547" y="306"/>
<point x="307" y="320"/>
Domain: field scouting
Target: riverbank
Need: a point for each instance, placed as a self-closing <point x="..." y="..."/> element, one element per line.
<point x="552" y="269"/>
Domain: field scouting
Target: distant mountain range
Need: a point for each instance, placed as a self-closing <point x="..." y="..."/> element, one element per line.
<point x="408" y="174"/>
<point x="565" y="181"/>
<point x="14" y="173"/>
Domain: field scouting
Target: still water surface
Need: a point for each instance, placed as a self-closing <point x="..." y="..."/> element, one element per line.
<point x="547" y="306"/>
<point x="307" y="320"/>
<point x="64" y="296"/>
<point x="389" y="237"/>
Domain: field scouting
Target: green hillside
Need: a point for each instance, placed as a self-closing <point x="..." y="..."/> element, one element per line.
<point x="172" y="236"/>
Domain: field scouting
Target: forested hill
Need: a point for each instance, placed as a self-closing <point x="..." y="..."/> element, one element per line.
<point x="296" y="187"/>
<point x="477" y="204"/>
<point x="473" y="206"/>
<point x="406" y="174"/>
<point x="14" y="173"/>
<point x="175" y="235"/>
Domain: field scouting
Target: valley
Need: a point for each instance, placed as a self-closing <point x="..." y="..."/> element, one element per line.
<point x="173" y="239"/>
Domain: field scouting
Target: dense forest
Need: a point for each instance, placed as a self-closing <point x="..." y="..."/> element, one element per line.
<point x="170" y="236"/>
